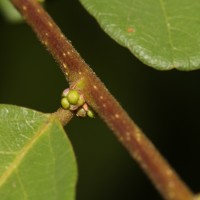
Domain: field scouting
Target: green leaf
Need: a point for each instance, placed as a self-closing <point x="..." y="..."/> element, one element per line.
<point x="36" y="157"/>
<point x="164" y="34"/>
<point x="9" y="12"/>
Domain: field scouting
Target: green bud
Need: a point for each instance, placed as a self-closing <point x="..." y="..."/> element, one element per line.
<point x="90" y="113"/>
<point x="65" y="103"/>
<point x="81" y="100"/>
<point x="81" y="112"/>
<point x="73" y="97"/>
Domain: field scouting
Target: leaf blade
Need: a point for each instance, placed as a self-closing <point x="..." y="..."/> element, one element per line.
<point x="163" y="34"/>
<point x="44" y="167"/>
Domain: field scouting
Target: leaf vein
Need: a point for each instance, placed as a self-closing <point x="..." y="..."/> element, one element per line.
<point x="16" y="162"/>
<point x="167" y="23"/>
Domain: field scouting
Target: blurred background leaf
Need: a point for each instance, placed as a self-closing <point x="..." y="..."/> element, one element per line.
<point x="164" y="104"/>
<point x="37" y="160"/>
<point x="162" y="34"/>
<point x="9" y="12"/>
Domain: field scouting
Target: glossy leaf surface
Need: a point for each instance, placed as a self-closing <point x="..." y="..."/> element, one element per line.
<point x="37" y="159"/>
<point x="164" y="34"/>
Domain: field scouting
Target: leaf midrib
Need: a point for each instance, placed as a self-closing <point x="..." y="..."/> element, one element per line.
<point x="167" y="23"/>
<point x="24" y="151"/>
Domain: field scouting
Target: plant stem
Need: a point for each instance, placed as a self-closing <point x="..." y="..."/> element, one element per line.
<point x="98" y="97"/>
<point x="64" y="116"/>
<point x="197" y="197"/>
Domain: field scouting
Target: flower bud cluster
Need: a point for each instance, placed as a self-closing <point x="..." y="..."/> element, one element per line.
<point x="73" y="100"/>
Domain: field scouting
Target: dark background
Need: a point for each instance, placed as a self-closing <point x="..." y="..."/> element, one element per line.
<point x="166" y="105"/>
